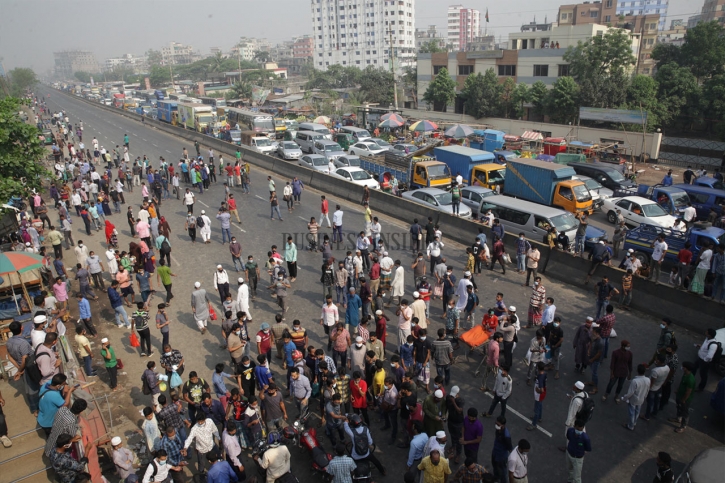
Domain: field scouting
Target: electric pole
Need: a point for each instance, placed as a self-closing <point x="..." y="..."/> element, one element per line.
<point x="392" y="70"/>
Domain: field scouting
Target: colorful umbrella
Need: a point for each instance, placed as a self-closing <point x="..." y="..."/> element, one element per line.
<point x="392" y="115"/>
<point x="19" y="262"/>
<point x="423" y="126"/>
<point x="391" y="123"/>
<point x="322" y="120"/>
<point x="459" y="131"/>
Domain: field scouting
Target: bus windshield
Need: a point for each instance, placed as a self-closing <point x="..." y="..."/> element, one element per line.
<point x="261" y="124"/>
<point x="206" y="119"/>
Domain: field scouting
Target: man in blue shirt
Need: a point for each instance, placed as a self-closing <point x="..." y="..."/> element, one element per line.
<point x="220" y="471"/>
<point x="143" y="280"/>
<point x="417" y="445"/>
<point x="578" y="446"/>
<point x="53" y="395"/>
<point x="288" y="347"/>
<point x="502" y="447"/>
<point x="262" y="373"/>
<point x="117" y="304"/>
<point x="352" y="313"/>
<point x="84" y="312"/>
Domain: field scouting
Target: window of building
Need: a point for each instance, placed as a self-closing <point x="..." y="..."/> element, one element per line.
<point x="646" y="70"/>
<point x="465" y="69"/>
<point x="607" y="18"/>
<point x="437" y="68"/>
<point x="608" y="4"/>
<point x="507" y="70"/>
<point x="357" y="62"/>
<point x="541" y="70"/>
<point x="563" y="70"/>
<point x="594" y="13"/>
<point x="524" y="44"/>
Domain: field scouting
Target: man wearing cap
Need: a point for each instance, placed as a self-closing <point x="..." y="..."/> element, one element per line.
<point x="433" y="414"/>
<point x="200" y="306"/>
<point x="437" y="442"/>
<point x="575" y="405"/>
<point x="419" y="310"/>
<point x="462" y="291"/>
<point x="122" y="458"/>
<point x="37" y="335"/>
<point x="242" y="301"/>
<point x="221" y="282"/>
<point x="204" y="231"/>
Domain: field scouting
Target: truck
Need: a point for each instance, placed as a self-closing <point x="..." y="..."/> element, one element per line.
<point x="166" y="111"/>
<point x="489" y="175"/>
<point x="195" y="116"/>
<point x="554" y="146"/>
<point x="159" y="94"/>
<point x="257" y="142"/>
<point x="548" y="184"/>
<point x="641" y="238"/>
<point x="671" y="198"/>
<point x="461" y="160"/>
<point x="413" y="170"/>
<point x="487" y="140"/>
<point x="118" y="100"/>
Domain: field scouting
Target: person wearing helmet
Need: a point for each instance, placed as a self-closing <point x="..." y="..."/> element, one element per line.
<point x="276" y="460"/>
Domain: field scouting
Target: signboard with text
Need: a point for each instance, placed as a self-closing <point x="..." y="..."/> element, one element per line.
<point x="625" y="116"/>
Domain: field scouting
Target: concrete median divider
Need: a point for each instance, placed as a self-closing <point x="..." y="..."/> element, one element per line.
<point x="685" y="309"/>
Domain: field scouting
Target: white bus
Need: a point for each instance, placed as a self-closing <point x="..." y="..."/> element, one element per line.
<point x="251" y="121"/>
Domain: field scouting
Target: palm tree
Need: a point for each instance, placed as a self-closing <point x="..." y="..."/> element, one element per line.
<point x="217" y="63"/>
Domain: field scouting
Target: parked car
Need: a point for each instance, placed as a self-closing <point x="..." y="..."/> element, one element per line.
<point x="381" y="143"/>
<point x="401" y="148"/>
<point x="472" y="196"/>
<point x="636" y="211"/>
<point x="348" y="161"/>
<point x="357" y="176"/>
<point x="288" y="150"/>
<point x="314" y="161"/>
<point x="436" y="199"/>
<point x="367" y="148"/>
<point x="329" y="149"/>
<point x="706" y="467"/>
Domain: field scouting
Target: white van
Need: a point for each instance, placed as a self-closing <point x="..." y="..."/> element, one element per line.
<point x="318" y="128"/>
<point x="306" y="140"/>
<point x="358" y="133"/>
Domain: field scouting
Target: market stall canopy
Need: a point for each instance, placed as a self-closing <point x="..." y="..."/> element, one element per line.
<point x="423" y="126"/>
<point x="392" y="115"/>
<point x="532" y="136"/>
<point x="459" y="131"/>
<point x="322" y="120"/>
<point x="391" y="123"/>
<point x="19" y="262"/>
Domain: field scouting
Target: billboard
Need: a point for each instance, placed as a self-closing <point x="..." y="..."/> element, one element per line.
<point x="624" y="116"/>
<point x="259" y="95"/>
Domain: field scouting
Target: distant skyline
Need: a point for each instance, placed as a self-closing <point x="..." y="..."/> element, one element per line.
<point x="31" y="30"/>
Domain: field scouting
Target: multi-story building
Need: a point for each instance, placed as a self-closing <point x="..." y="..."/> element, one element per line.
<point x="464" y="24"/>
<point x="588" y="12"/>
<point x="713" y="10"/>
<point x="644" y="7"/>
<point x="69" y="62"/>
<point x="677" y="23"/>
<point x="694" y="20"/>
<point x="130" y="60"/>
<point x="487" y="42"/>
<point x="431" y="34"/>
<point x="176" y="53"/>
<point x="303" y="47"/>
<point x="675" y="35"/>
<point x="363" y="33"/>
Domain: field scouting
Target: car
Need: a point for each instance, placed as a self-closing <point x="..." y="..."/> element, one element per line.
<point x="329" y="149"/>
<point x="472" y="196"/>
<point x="348" y="161"/>
<point x="357" y="176"/>
<point x="402" y="148"/>
<point x="381" y="143"/>
<point x="366" y="148"/>
<point x="436" y="199"/>
<point x="288" y="150"/>
<point x="709" y="182"/>
<point x="637" y="211"/>
<point x="599" y="193"/>
<point x="315" y="161"/>
<point x="705" y="467"/>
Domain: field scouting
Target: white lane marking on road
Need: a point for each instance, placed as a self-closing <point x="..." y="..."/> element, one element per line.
<point x="154" y="145"/>
<point x="301" y="217"/>
<point x="509" y="408"/>
<point x="168" y="151"/>
<point x="203" y="203"/>
<point x="245" y="231"/>
<point x="135" y="134"/>
<point x="259" y="197"/>
<point x="175" y="261"/>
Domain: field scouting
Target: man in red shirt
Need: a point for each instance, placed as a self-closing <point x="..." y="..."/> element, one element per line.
<point x="684" y="258"/>
<point x="324" y="210"/>
<point x="490" y="321"/>
<point x="265" y="338"/>
<point x="358" y="396"/>
<point x="381" y="325"/>
<point x="230" y="174"/>
<point x="232" y="205"/>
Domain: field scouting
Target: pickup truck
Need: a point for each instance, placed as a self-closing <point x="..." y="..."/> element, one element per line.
<point x="671" y="198"/>
<point x="640" y="239"/>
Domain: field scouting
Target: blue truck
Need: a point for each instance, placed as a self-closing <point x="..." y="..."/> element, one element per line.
<point x="671" y="198"/>
<point x="165" y="110"/>
<point x="640" y="239"/>
<point x="462" y="160"/>
<point x="487" y="140"/>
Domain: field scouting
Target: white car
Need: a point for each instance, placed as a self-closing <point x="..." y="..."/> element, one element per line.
<point x="637" y="211"/>
<point x="381" y="143"/>
<point x="347" y="161"/>
<point x="367" y="148"/>
<point x="288" y="150"/>
<point x="357" y="176"/>
<point x="436" y="199"/>
<point x="315" y="161"/>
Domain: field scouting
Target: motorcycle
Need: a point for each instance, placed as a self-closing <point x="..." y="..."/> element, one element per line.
<point x="307" y="438"/>
<point x="258" y="450"/>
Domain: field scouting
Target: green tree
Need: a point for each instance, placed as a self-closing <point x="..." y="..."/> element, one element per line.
<point x="704" y="50"/>
<point x="676" y="87"/>
<point x="482" y="94"/>
<point x="83" y="77"/>
<point x="537" y="97"/>
<point x="713" y="102"/>
<point x="562" y="101"/>
<point x="159" y="76"/>
<point x="217" y="63"/>
<point x="409" y="80"/>
<point x="21" y="79"/>
<point x="442" y="91"/>
<point x="154" y="57"/>
<point x="241" y="90"/>
<point x="643" y="93"/>
<point x="666" y="53"/>
<point x="21" y="153"/>
<point x="601" y="67"/>
<point x="262" y="56"/>
<point x="508" y="100"/>
<point x="521" y="95"/>
<point x="376" y="84"/>
<point x="430" y="47"/>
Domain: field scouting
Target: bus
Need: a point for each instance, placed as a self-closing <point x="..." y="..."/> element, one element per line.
<point x="213" y="102"/>
<point x="251" y="121"/>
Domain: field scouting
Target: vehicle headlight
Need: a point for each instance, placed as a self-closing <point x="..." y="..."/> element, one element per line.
<point x="594" y="240"/>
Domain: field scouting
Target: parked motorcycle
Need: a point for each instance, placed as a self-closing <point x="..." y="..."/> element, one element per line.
<point x="306" y="438"/>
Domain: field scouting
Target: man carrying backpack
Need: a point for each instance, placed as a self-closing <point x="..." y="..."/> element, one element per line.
<point x="708" y="352"/>
<point x="140" y="321"/>
<point x="581" y="408"/>
<point x="362" y="440"/>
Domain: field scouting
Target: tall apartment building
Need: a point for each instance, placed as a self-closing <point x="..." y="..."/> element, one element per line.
<point x="361" y="33"/>
<point x="464" y="25"/>
<point x="303" y="47"/>
<point x="645" y="7"/>
<point x="428" y="35"/>
<point x="69" y="62"/>
<point x="713" y="10"/>
<point x="176" y="53"/>
<point x="128" y="60"/>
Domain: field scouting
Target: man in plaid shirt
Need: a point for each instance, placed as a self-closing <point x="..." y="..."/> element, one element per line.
<point x="170" y="416"/>
<point x="341" y="466"/>
<point x="175" y="452"/>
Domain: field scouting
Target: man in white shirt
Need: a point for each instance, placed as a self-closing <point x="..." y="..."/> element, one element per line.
<point x="636" y="394"/>
<point x="434" y="251"/>
<point x="276" y="460"/>
<point x="658" y="256"/>
<point x="632" y="263"/>
<point x="706" y="352"/>
<point x="459" y="179"/>
<point x="329" y="318"/>
<point x="230" y="440"/>
<point x="221" y="283"/>
<point x="243" y="299"/>
<point x="331" y="167"/>
<point x="37" y="335"/>
<point x="657" y="378"/>
<point x="689" y="215"/>
<point x="205" y="231"/>
<point x="205" y="435"/>
<point x="518" y="463"/>
<point x="337" y="224"/>
<point x="575" y="406"/>
<point x="189" y="201"/>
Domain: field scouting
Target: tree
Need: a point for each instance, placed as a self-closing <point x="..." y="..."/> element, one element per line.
<point x="154" y="57"/>
<point x="521" y="95"/>
<point x="442" y="91"/>
<point x="704" y="50"/>
<point x="376" y="84"/>
<point x="562" y="101"/>
<point x="410" y="83"/>
<point x="713" y="101"/>
<point x="159" y="76"/>
<point x="537" y="96"/>
<point x="217" y="62"/>
<point x="84" y="77"/>
<point x="482" y="94"/>
<point x="21" y="153"/>
<point x="601" y="67"/>
<point x="676" y="85"/>
<point x="666" y="53"/>
<point x="21" y="79"/>
<point x="430" y="47"/>
<point x="241" y="90"/>
<point x="262" y="56"/>
<point x="508" y="105"/>
<point x="643" y="94"/>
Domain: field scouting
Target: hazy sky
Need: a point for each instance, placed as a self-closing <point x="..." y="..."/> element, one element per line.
<point x="31" y="30"/>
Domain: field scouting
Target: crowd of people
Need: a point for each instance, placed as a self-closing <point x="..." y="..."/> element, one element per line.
<point x="362" y="370"/>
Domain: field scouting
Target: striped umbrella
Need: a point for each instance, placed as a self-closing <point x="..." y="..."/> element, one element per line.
<point x="391" y="123"/>
<point x="392" y="115"/>
<point x="423" y="126"/>
<point x="19" y="262"/>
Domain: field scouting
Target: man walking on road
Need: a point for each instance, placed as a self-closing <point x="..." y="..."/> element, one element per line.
<point x="221" y="282"/>
<point x="635" y="397"/>
<point x="336" y="224"/>
<point x="225" y="218"/>
<point x="204" y="227"/>
<point x="200" y="306"/>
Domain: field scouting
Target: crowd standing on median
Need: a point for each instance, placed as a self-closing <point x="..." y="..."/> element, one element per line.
<point x="385" y="358"/>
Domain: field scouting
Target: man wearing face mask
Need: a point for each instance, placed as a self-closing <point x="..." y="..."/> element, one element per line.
<point x="58" y="395"/>
<point x="205" y="435"/>
<point x="518" y="463"/>
<point x="158" y="469"/>
<point x="335" y="419"/>
<point x="502" y="448"/>
<point x="470" y="472"/>
<point x="554" y="335"/>
<point x="66" y="468"/>
<point x="578" y="446"/>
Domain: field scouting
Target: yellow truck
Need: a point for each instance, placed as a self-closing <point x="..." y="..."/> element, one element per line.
<point x="489" y="175"/>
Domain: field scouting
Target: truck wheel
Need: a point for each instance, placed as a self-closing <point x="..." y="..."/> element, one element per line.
<point x="612" y="217"/>
<point x="642" y="257"/>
